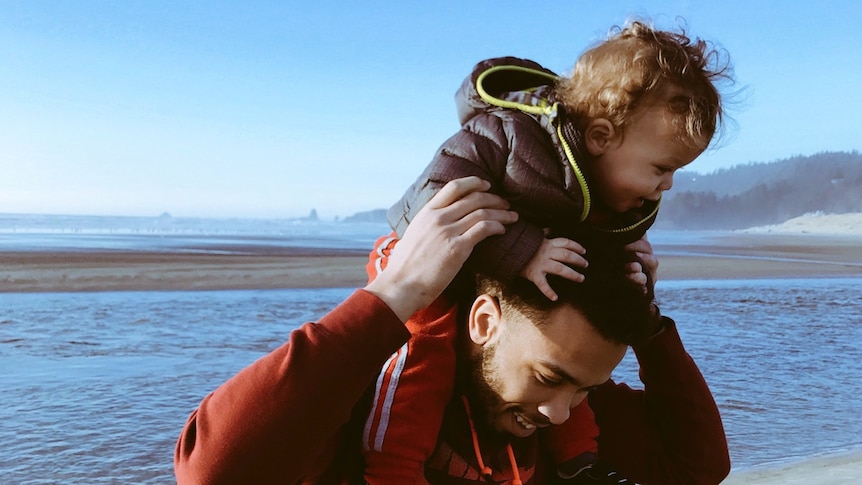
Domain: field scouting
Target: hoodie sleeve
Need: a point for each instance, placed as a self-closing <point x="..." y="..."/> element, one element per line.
<point x="511" y="151"/>
<point x="669" y="433"/>
<point x="275" y="418"/>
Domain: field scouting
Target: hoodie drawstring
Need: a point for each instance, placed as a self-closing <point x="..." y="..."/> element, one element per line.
<point x="516" y="475"/>
<point x="485" y="470"/>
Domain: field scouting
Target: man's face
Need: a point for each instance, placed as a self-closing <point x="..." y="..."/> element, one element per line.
<point x="526" y="376"/>
<point x="638" y="165"/>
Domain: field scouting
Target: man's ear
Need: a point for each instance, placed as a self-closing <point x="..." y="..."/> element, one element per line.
<point x="485" y="315"/>
<point x="599" y="136"/>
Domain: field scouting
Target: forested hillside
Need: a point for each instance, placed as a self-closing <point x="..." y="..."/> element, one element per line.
<point x="764" y="193"/>
<point x="751" y="195"/>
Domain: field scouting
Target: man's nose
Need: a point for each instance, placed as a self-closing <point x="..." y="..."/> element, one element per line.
<point x="558" y="409"/>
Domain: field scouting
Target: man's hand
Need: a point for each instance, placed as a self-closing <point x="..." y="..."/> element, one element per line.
<point x="437" y="243"/>
<point x="555" y="256"/>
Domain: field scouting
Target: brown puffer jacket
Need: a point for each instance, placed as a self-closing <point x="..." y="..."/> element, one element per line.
<point x="515" y="135"/>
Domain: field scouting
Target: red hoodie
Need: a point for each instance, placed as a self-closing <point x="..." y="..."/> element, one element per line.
<point x="296" y="415"/>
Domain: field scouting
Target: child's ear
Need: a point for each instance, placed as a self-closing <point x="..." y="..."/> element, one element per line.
<point x="599" y="136"/>
<point x="484" y="318"/>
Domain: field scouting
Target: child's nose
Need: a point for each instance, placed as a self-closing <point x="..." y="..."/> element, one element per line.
<point x="666" y="182"/>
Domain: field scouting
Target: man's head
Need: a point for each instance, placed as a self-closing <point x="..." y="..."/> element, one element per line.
<point x="646" y="104"/>
<point x="532" y="360"/>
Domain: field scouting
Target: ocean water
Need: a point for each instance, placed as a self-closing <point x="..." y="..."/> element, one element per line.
<point x="95" y="387"/>
<point x="27" y="232"/>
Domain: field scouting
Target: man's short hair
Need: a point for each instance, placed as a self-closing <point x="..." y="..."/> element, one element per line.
<point x="618" y="308"/>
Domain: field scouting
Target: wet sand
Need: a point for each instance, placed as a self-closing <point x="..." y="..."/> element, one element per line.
<point x="745" y="256"/>
<point x="151" y="271"/>
<point x="838" y="469"/>
<point x="736" y="256"/>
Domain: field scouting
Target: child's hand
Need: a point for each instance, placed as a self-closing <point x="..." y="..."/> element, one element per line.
<point x="647" y="265"/>
<point x="555" y="256"/>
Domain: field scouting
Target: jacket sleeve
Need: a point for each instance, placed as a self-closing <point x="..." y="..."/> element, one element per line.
<point x="275" y="418"/>
<point x="671" y="431"/>
<point x="481" y="148"/>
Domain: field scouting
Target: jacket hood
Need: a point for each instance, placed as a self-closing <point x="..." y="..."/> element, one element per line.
<point x="492" y="79"/>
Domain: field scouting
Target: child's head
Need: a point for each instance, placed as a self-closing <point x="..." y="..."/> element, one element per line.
<point x="646" y="104"/>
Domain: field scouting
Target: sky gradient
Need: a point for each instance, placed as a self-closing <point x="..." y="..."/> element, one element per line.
<point x="270" y="109"/>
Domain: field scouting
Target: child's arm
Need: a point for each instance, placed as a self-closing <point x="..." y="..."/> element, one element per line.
<point x="482" y="148"/>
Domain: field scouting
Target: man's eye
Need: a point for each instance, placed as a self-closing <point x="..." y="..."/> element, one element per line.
<point x="548" y="381"/>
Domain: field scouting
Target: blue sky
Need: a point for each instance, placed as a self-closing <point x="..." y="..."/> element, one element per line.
<point x="270" y="109"/>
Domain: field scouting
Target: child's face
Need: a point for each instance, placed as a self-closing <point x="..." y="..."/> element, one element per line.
<point x="639" y="164"/>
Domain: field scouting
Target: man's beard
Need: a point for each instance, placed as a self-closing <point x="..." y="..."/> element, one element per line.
<point x="482" y="390"/>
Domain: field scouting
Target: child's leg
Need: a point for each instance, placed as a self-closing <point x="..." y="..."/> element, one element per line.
<point x="379" y="255"/>
<point x="573" y="443"/>
<point x="411" y="392"/>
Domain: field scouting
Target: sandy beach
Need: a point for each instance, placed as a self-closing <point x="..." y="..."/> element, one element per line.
<point x="762" y="255"/>
<point x="149" y="271"/>
<point x="725" y="256"/>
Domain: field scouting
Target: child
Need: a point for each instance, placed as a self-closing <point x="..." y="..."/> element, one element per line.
<point x="584" y="160"/>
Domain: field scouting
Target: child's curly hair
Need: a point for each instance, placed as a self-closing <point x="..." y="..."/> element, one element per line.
<point x="638" y="63"/>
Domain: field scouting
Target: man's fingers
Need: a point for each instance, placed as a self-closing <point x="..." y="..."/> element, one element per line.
<point x="482" y="229"/>
<point x="457" y="190"/>
<point x="472" y="203"/>
<point x="485" y="214"/>
<point x="470" y="213"/>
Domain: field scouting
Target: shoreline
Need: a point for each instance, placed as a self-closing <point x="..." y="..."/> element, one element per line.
<point x="839" y="468"/>
<point x="761" y="255"/>
<point x="722" y="256"/>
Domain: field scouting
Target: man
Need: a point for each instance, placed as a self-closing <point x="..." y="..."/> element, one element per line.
<point x="296" y="415"/>
<point x="525" y="362"/>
